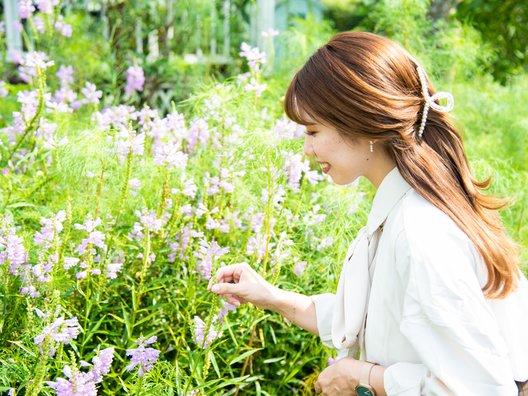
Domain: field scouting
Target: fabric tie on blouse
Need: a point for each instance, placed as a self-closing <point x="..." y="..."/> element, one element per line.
<point x="353" y="291"/>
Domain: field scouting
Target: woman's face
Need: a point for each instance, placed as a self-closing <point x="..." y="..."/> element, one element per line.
<point x="344" y="160"/>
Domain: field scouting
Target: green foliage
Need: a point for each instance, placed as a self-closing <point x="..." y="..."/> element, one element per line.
<point x="258" y="352"/>
<point x="159" y="296"/>
<point x="504" y="26"/>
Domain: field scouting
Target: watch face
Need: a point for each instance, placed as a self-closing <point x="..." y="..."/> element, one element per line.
<point x="364" y="391"/>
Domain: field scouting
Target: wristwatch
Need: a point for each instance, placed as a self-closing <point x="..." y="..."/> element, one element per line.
<point x="363" y="388"/>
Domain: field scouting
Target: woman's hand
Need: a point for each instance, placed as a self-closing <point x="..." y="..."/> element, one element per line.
<point x="339" y="379"/>
<point x="239" y="283"/>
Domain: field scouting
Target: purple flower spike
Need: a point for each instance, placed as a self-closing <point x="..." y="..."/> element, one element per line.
<point x="101" y="363"/>
<point x="61" y="330"/>
<point x="143" y="357"/>
<point x="224" y="311"/>
<point x="135" y="79"/>
<point x="203" y="337"/>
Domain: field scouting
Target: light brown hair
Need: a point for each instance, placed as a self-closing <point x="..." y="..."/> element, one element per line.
<point x="368" y="86"/>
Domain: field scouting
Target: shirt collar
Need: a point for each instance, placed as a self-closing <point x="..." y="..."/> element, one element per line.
<point x="391" y="190"/>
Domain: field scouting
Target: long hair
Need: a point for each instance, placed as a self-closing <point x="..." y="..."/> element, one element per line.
<point x="368" y="86"/>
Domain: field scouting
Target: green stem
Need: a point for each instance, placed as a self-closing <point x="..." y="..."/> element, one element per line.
<point x="267" y="223"/>
<point x="124" y="189"/>
<point x="99" y="189"/>
<point x="165" y="192"/>
<point x="33" y="124"/>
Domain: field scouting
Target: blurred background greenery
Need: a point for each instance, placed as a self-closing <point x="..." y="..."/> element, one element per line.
<point x="476" y="49"/>
<point x="179" y="43"/>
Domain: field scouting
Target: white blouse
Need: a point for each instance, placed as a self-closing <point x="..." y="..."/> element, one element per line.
<point x="428" y="322"/>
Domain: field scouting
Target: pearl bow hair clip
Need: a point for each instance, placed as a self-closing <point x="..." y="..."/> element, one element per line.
<point x="430" y="101"/>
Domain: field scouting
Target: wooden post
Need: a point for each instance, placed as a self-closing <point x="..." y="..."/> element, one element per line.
<point x="170" y="24"/>
<point x="214" y="17"/>
<point x="13" y="36"/>
<point x="104" y="20"/>
<point x="139" y="37"/>
<point x="262" y="19"/>
<point x="227" y="15"/>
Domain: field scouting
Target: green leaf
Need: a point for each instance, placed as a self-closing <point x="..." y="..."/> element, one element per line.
<point x="244" y="356"/>
<point x="274" y="360"/>
<point x="21" y="205"/>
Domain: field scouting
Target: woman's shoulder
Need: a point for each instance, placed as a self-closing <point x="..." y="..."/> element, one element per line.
<point x="417" y="218"/>
<point x="425" y="233"/>
<point x="428" y="243"/>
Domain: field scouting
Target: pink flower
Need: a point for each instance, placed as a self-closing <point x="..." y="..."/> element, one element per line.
<point x="83" y="384"/>
<point x="203" y="336"/>
<point x="270" y="33"/>
<point x="92" y="95"/>
<point x="25" y="8"/>
<point x="39" y="24"/>
<point x="299" y="268"/>
<point x="253" y="55"/>
<point x="206" y="254"/>
<point x="294" y="169"/>
<point x="287" y="129"/>
<point x="197" y="132"/>
<point x="62" y="27"/>
<point x="143" y="357"/>
<point x="65" y="75"/>
<point x="135" y="80"/>
<point x="61" y="330"/>
<point x="46" y="6"/>
<point x="253" y="85"/>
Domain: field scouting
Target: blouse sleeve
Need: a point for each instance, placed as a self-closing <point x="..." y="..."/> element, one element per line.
<point x="324" y="308"/>
<point x="447" y="321"/>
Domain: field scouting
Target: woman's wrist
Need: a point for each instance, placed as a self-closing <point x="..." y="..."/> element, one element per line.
<point x="377" y="380"/>
<point x="279" y="301"/>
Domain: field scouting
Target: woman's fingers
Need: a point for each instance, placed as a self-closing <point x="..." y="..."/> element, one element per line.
<point x="235" y="300"/>
<point x="226" y="288"/>
<point x="239" y="283"/>
<point x="230" y="273"/>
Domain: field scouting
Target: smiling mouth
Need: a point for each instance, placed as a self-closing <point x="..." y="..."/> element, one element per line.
<point x="325" y="166"/>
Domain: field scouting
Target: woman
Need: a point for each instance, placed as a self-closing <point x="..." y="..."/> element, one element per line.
<point x="431" y="294"/>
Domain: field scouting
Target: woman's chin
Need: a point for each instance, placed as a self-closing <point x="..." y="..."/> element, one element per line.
<point x="343" y="181"/>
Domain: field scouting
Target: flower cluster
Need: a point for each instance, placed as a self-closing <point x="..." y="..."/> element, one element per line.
<point x="33" y="63"/>
<point x="50" y="230"/>
<point x="135" y="80"/>
<point x="12" y="251"/>
<point x="255" y="57"/>
<point x="143" y="357"/>
<point x="26" y="8"/>
<point x="296" y="167"/>
<point x="84" y="383"/>
<point x="129" y="141"/>
<point x="61" y="330"/>
<point x="287" y="129"/>
<point x="207" y="253"/>
<point x="204" y="336"/>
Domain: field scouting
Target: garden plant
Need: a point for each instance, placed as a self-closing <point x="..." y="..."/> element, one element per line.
<point x="114" y="215"/>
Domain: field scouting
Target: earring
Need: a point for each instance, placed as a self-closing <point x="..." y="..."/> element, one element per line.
<point x="371" y="146"/>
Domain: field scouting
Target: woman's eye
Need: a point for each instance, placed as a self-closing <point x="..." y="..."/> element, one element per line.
<point x="311" y="133"/>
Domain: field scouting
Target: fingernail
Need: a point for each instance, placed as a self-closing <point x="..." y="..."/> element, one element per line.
<point x="215" y="288"/>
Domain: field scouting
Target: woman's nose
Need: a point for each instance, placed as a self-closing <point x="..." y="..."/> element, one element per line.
<point x="308" y="146"/>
